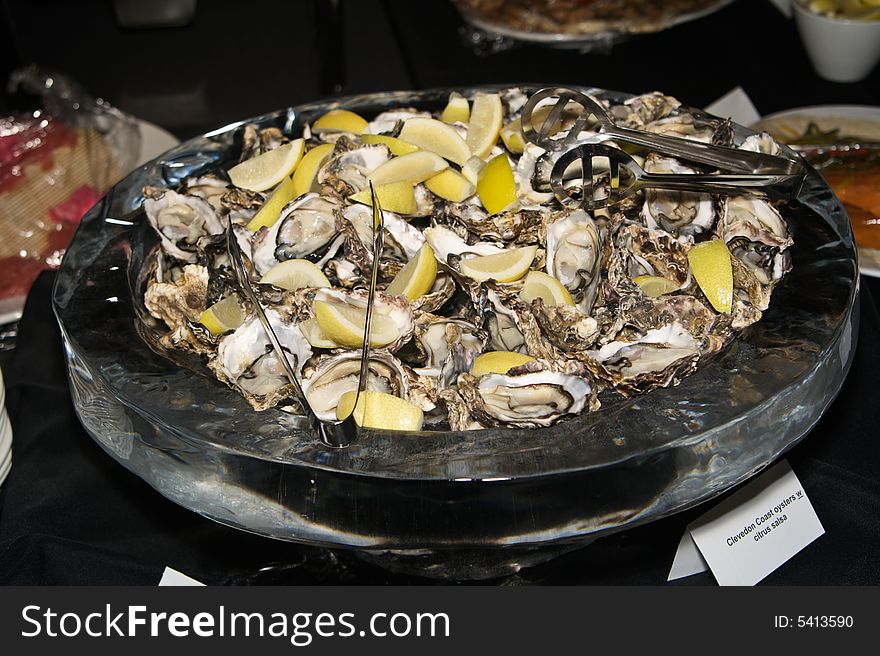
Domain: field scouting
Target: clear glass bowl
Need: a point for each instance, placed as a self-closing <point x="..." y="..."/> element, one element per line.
<point x="470" y="504"/>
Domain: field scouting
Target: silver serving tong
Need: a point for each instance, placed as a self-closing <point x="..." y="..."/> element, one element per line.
<point x="626" y="177"/>
<point x="731" y="160"/>
<point x="338" y="433"/>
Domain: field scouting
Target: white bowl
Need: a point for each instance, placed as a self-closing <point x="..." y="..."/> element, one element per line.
<point x="841" y="50"/>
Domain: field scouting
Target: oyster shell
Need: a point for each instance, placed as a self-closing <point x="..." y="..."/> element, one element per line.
<point x="574" y="255"/>
<point x="180" y="220"/>
<point x="345" y="173"/>
<point x="331" y="376"/>
<point x="448" y="346"/>
<point x="660" y="357"/>
<point x="247" y="361"/>
<point x="304" y="229"/>
<point x="681" y="214"/>
<point x="528" y="400"/>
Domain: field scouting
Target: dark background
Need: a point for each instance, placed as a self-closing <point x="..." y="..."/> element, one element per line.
<point x="70" y="515"/>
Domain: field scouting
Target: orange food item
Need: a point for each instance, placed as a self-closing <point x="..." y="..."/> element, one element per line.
<point x="859" y="191"/>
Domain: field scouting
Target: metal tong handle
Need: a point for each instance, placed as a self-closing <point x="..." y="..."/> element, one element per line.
<point x="735" y="183"/>
<point x="339" y="433"/>
<point x="720" y="157"/>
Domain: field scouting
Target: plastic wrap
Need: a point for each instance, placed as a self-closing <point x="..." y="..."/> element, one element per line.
<point x="55" y="163"/>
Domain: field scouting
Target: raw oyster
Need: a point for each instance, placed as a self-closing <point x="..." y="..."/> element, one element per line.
<point x="660" y="357"/>
<point x="448" y="346"/>
<point x="331" y="376"/>
<point x="527" y="400"/>
<point x="574" y="254"/>
<point x="346" y="171"/>
<point x="401" y="240"/>
<point x="305" y="227"/>
<point x="180" y="220"/>
<point x="247" y="361"/>
<point x="680" y="213"/>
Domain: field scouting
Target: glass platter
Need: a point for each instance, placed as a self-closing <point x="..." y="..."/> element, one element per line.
<point x="466" y="505"/>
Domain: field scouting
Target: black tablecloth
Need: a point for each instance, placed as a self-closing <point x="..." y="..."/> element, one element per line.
<point x="71" y="515"/>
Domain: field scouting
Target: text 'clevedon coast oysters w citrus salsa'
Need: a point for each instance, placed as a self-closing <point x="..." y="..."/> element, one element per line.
<point x="496" y="306"/>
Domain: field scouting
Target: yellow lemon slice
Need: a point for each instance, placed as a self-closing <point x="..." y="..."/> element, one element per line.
<point x="417" y="277"/>
<point x="472" y="169"/>
<point x="344" y="324"/>
<point x="380" y="410"/>
<point x="506" y="266"/>
<point x="710" y="264"/>
<point x="457" y="110"/>
<point x="305" y="174"/>
<point x="342" y="120"/>
<point x="315" y="336"/>
<point x="223" y="316"/>
<point x="512" y="136"/>
<point x="271" y="209"/>
<point x="267" y="170"/>
<point x="395" y="145"/>
<point x="436" y="136"/>
<point x="295" y="274"/>
<point x="450" y="185"/>
<point x="399" y="197"/>
<point x="498" y="362"/>
<point x="544" y="286"/>
<point x="654" y="286"/>
<point x="413" y="168"/>
<point x="495" y="185"/>
<point x="485" y="123"/>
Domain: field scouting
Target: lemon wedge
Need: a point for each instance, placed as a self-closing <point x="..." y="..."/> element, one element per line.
<point x="512" y="136"/>
<point x="436" y="136"/>
<point x="305" y="174"/>
<point x="344" y="324"/>
<point x="457" y="109"/>
<point x="544" y="286"/>
<point x="710" y="264"/>
<point x="472" y="168"/>
<point x="267" y="170"/>
<point x="295" y="274"/>
<point x="498" y="362"/>
<point x="223" y="316"/>
<point x="341" y="120"/>
<point x="495" y="184"/>
<point x="485" y="124"/>
<point x="315" y="336"/>
<point x="417" y="277"/>
<point x="506" y="266"/>
<point x="413" y="168"/>
<point x="654" y="286"/>
<point x="395" y="145"/>
<point x="399" y="197"/>
<point x="450" y="185"/>
<point x="270" y="211"/>
<point x="380" y="410"/>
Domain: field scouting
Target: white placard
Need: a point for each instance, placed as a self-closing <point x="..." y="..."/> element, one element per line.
<point x="688" y="559"/>
<point x="171" y="577"/>
<point x="783" y="6"/>
<point x="758" y="528"/>
<point x="737" y="106"/>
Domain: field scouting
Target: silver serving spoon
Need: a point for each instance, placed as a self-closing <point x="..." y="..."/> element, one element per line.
<point x="720" y="157"/>
<point x="626" y="177"/>
<point x="339" y="433"/>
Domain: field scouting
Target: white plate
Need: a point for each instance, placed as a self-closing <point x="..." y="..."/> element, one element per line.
<point x="154" y="142"/>
<point x="853" y="120"/>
